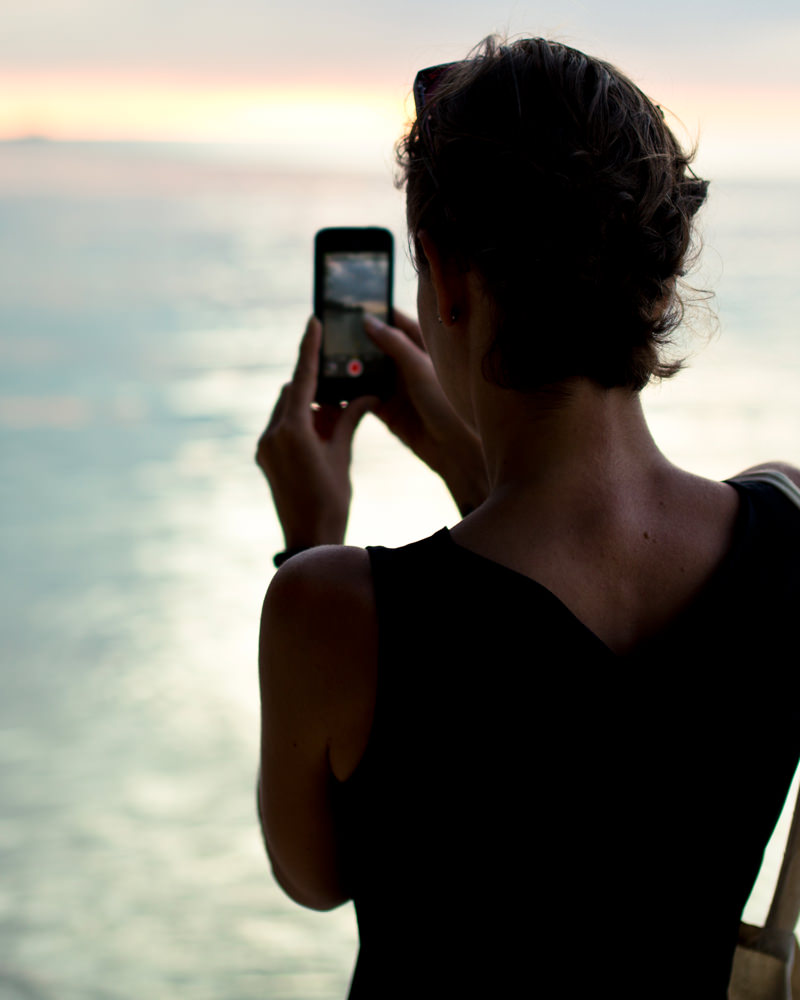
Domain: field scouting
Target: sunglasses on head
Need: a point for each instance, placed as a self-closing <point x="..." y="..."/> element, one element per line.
<point x="426" y="82"/>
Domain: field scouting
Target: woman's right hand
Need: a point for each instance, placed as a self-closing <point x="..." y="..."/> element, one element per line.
<point x="305" y="454"/>
<point x="420" y="415"/>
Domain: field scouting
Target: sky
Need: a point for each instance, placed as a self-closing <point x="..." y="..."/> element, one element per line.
<point x="330" y="81"/>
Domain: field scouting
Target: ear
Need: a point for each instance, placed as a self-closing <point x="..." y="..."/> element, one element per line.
<point x="447" y="280"/>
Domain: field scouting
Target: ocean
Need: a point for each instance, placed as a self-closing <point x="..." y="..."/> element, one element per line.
<point x="151" y="302"/>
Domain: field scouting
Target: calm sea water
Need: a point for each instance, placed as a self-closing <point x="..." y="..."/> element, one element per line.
<point x="151" y="301"/>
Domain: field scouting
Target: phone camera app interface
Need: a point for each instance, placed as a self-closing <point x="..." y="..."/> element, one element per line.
<point x="355" y="284"/>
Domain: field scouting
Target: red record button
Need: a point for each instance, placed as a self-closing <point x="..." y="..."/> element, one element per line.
<point x="354" y="367"/>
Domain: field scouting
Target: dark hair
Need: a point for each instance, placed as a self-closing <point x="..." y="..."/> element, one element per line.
<point x="557" y="179"/>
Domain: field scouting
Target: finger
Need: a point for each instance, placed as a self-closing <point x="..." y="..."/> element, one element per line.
<point x="409" y="326"/>
<point x="279" y="409"/>
<point x="351" y="416"/>
<point x="400" y="348"/>
<point x="303" y="386"/>
<point x="278" y="412"/>
<point x="325" y="419"/>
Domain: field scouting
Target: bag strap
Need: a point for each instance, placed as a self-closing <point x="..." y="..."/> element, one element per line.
<point x="777" y="479"/>
<point x="784" y="910"/>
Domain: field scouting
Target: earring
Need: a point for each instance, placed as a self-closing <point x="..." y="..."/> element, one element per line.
<point x="453" y="314"/>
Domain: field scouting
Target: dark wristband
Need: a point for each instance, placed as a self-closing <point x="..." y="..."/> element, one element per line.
<point x="280" y="558"/>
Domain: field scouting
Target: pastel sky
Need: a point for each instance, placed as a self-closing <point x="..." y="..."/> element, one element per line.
<point x="328" y="80"/>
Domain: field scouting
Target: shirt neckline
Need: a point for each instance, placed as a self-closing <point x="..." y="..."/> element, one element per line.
<point x="718" y="578"/>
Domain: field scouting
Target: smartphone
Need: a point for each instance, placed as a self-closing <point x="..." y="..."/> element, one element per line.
<point x="353" y="275"/>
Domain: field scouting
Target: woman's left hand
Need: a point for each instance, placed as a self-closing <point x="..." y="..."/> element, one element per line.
<point x="305" y="454"/>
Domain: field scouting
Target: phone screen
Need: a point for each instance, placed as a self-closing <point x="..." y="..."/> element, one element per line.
<point x="353" y="271"/>
<point x="355" y="282"/>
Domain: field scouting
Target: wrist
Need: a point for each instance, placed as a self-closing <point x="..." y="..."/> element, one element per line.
<point x="329" y="532"/>
<point x="281" y="557"/>
<point x="297" y="542"/>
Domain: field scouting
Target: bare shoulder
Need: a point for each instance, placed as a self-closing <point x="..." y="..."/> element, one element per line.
<point x="317" y="668"/>
<point x="318" y="649"/>
<point x="791" y="472"/>
<point x="326" y="580"/>
<point x="318" y="624"/>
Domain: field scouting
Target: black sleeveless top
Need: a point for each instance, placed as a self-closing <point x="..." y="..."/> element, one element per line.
<point x="532" y="809"/>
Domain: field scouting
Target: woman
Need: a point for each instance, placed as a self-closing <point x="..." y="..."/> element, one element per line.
<point x="516" y="745"/>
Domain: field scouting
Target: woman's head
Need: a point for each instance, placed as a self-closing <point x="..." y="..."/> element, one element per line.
<point x="557" y="180"/>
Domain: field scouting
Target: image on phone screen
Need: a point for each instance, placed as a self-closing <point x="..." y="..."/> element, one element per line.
<point x="355" y="282"/>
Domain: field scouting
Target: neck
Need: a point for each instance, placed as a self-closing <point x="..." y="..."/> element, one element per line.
<point x="582" y="436"/>
<point x="582" y="501"/>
